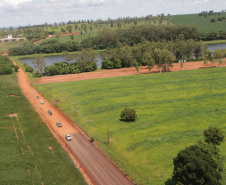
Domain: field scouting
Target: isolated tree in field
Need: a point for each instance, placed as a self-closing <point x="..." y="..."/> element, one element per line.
<point x="39" y="63"/>
<point x="128" y="114"/>
<point x="213" y="135"/>
<point x="218" y="55"/>
<point x="207" y="56"/>
<point x="195" y="166"/>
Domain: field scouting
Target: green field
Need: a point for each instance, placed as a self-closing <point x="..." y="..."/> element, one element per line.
<point x="4" y="46"/>
<point x="30" y="154"/>
<point x="173" y="110"/>
<point x="201" y="22"/>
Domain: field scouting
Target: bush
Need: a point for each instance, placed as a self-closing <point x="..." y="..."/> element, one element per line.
<point x="16" y="68"/>
<point x="213" y="135"/>
<point x="107" y="64"/>
<point x="29" y="69"/>
<point x="6" y="70"/>
<point x="128" y="114"/>
<point x="25" y="64"/>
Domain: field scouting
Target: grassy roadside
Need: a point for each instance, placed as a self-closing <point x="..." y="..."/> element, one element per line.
<point x="173" y="110"/>
<point x="30" y="154"/>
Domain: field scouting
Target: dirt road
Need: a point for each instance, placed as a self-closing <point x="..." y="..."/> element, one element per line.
<point x="95" y="166"/>
<point x="118" y="72"/>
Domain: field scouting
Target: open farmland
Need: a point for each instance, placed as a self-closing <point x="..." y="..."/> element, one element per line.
<point x="173" y="110"/>
<point x="30" y="154"/>
<point x="203" y="23"/>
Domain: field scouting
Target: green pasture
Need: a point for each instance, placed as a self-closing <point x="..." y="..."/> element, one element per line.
<point x="201" y="22"/>
<point x="45" y="165"/>
<point x="173" y="110"/>
<point x="5" y="46"/>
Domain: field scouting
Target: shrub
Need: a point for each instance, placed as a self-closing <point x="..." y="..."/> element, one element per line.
<point x="213" y="135"/>
<point x="16" y="68"/>
<point x="29" y="69"/>
<point x="128" y="114"/>
<point x="107" y="64"/>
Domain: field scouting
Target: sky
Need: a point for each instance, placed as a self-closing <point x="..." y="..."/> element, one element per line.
<point x="32" y="12"/>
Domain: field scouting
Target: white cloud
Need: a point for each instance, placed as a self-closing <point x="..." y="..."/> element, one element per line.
<point x="22" y="12"/>
<point x="16" y="2"/>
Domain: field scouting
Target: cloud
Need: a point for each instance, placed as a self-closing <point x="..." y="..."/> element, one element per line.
<point x="22" y="12"/>
<point x="15" y="2"/>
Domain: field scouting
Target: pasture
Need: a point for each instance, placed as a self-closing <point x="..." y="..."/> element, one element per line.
<point x="30" y="154"/>
<point x="203" y="23"/>
<point x="173" y="109"/>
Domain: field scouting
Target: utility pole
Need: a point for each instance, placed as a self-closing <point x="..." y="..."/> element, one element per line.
<point x="107" y="134"/>
<point x="74" y="108"/>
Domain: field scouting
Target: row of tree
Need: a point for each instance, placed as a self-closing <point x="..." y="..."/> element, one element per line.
<point x="162" y="54"/>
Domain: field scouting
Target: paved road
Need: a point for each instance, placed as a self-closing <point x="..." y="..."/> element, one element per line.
<point x="96" y="165"/>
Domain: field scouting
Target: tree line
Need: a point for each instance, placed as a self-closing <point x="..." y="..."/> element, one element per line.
<point x="7" y="66"/>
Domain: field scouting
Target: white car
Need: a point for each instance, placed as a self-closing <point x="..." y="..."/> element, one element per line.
<point x="42" y="102"/>
<point x="68" y="137"/>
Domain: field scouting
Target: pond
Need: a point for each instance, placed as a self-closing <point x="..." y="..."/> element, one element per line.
<point x="212" y="47"/>
<point x="57" y="58"/>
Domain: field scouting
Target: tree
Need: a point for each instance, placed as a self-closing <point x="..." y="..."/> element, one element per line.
<point x="39" y="63"/>
<point x="128" y="114"/>
<point x="207" y="56"/>
<point x="213" y="135"/>
<point x="86" y="60"/>
<point x="29" y="69"/>
<point x="16" y="68"/>
<point x="218" y="55"/>
<point x="194" y="165"/>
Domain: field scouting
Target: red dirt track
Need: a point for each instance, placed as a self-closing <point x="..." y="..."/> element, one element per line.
<point x="93" y="164"/>
<point x="119" y="72"/>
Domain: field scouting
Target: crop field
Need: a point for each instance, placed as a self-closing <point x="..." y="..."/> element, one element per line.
<point x="201" y="22"/>
<point x="30" y="154"/>
<point x="173" y="110"/>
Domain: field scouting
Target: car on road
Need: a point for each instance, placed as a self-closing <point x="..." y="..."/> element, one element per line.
<point x="50" y="113"/>
<point x="42" y="102"/>
<point x="38" y="97"/>
<point x="34" y="92"/>
<point x="58" y="124"/>
<point x="68" y="137"/>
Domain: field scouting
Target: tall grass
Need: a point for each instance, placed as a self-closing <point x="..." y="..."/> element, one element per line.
<point x="173" y="110"/>
<point x="29" y="152"/>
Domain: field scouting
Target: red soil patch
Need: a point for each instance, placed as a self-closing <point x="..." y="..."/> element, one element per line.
<point x="63" y="34"/>
<point x="120" y="72"/>
<point x="14" y="95"/>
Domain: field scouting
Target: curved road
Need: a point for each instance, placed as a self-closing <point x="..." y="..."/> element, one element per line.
<point x="98" y="168"/>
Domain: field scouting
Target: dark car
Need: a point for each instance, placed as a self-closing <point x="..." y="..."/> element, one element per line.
<point x="58" y="124"/>
<point x="38" y="97"/>
<point x="50" y="113"/>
